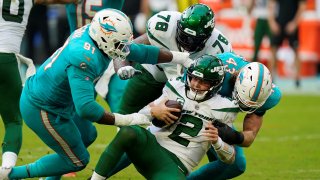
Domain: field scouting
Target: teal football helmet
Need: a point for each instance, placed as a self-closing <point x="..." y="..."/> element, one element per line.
<point x="207" y="68"/>
<point x="195" y="27"/>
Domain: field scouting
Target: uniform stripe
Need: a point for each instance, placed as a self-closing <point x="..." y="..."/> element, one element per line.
<point x="155" y="39"/>
<point x="173" y="89"/>
<point x="63" y="144"/>
<point x="259" y="83"/>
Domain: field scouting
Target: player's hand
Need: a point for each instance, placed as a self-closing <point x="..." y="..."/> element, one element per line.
<point x="181" y="58"/>
<point x="291" y="27"/>
<point x="274" y="27"/>
<point x="164" y="113"/>
<point x="127" y="72"/>
<point x="211" y="133"/>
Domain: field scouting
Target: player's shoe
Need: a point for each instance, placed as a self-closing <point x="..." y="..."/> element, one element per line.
<point x="4" y="173"/>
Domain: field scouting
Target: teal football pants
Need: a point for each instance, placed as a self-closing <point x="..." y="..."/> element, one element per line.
<point x="68" y="138"/>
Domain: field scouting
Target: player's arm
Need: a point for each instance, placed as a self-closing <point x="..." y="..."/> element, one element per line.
<point x="56" y="1"/>
<point x="225" y="152"/>
<point x="143" y="39"/>
<point x="147" y="54"/>
<point x="251" y="126"/>
<point x="82" y="90"/>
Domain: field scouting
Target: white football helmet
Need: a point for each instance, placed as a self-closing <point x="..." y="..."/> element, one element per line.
<point x="111" y="29"/>
<point x="253" y="87"/>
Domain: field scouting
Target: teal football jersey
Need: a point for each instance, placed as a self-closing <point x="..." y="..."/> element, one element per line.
<point x="77" y="63"/>
<point x="233" y="64"/>
<point x="81" y="14"/>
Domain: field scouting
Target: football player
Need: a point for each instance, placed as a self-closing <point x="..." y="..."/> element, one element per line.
<point x="171" y="152"/>
<point x="110" y="86"/>
<point x="251" y="85"/>
<point x="13" y="21"/>
<point x="64" y="86"/>
<point x="192" y="31"/>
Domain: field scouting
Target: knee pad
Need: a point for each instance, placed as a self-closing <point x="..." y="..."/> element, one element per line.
<point x="128" y="135"/>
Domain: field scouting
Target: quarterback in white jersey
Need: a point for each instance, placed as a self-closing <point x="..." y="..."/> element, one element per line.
<point x="184" y="138"/>
<point x="172" y="151"/>
<point x="13" y="21"/>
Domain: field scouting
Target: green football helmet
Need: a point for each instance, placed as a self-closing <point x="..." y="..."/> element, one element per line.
<point x="207" y="68"/>
<point x="195" y="27"/>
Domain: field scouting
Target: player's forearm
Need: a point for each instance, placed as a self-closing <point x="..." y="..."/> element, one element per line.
<point x="271" y="10"/>
<point x="123" y="120"/>
<point x="251" y="126"/>
<point x="301" y="9"/>
<point x="225" y="152"/>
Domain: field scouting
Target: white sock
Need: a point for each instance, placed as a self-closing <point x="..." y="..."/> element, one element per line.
<point x="96" y="176"/>
<point x="9" y="159"/>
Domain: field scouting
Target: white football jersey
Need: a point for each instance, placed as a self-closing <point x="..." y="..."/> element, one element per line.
<point x="14" y="16"/>
<point x="162" y="30"/>
<point x="184" y="138"/>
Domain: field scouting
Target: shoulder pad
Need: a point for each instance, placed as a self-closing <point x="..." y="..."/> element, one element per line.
<point x="161" y="28"/>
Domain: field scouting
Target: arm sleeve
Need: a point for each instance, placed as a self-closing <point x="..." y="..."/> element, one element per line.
<point x="82" y="90"/>
<point x="143" y="54"/>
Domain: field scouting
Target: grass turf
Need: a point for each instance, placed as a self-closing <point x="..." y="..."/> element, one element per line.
<point x="285" y="148"/>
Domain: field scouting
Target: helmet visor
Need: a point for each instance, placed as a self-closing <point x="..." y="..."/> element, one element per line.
<point x="189" y="42"/>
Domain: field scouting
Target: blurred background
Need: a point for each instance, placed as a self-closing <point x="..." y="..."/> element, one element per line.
<point x="48" y="28"/>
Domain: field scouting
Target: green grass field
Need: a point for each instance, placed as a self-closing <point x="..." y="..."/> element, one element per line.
<point x="287" y="146"/>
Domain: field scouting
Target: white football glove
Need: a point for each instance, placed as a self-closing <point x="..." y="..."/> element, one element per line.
<point x="181" y="58"/>
<point x="127" y="72"/>
<point x="131" y="119"/>
<point x="31" y="70"/>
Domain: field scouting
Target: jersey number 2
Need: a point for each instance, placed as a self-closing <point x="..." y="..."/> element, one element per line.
<point x="193" y="130"/>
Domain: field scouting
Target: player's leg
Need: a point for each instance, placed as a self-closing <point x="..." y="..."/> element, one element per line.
<point x="88" y="135"/>
<point x="276" y="41"/>
<point x="116" y="89"/>
<point x="140" y="91"/>
<point x="259" y="33"/>
<point x="10" y="90"/>
<point x="150" y="159"/>
<point x="87" y="130"/>
<point x="218" y="170"/>
<point x="59" y="134"/>
<point x="294" y="44"/>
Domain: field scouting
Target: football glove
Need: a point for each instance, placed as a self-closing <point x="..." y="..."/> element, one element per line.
<point x="127" y="72"/>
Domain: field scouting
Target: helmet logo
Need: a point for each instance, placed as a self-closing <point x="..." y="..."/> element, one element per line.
<point x="219" y="69"/>
<point x="190" y="31"/>
<point x="197" y="73"/>
<point x="209" y="23"/>
<point x="106" y="27"/>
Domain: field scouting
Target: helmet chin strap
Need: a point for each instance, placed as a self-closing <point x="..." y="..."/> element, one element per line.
<point x="194" y="95"/>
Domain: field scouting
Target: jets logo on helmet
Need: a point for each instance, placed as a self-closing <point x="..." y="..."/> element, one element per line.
<point x="253" y="86"/>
